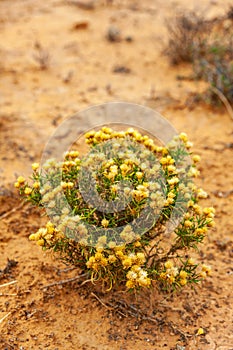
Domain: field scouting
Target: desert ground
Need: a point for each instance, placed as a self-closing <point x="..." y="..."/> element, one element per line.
<point x="56" y="59"/>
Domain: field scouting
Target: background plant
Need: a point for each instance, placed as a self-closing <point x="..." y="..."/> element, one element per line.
<point x="207" y="44"/>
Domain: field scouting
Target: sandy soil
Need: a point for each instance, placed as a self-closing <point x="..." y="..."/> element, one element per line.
<point x="33" y="101"/>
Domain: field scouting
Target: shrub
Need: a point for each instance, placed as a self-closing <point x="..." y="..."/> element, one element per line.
<point x="207" y="44"/>
<point x="126" y="214"/>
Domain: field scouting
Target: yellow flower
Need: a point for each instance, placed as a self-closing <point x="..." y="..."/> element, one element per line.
<point x="106" y="130"/>
<point x="202" y="274"/>
<point x="35" y="166"/>
<point x="73" y="154"/>
<point x="112" y="244"/>
<point x="28" y="191"/>
<point x="139" y="194"/>
<point x="90" y="134"/>
<point x="21" y="180"/>
<point x="183" y="137"/>
<point x="209" y="212"/>
<point x="183" y="281"/>
<point x="102" y="240"/>
<point x="114" y="169"/>
<point x="189" y="144"/>
<point x="171" y="279"/>
<point x="196" y="158"/>
<point x="50" y="227"/>
<point x="144" y="281"/>
<point x="41" y="242"/>
<point x="201" y="193"/>
<point x="168" y="264"/>
<point x="130" y="284"/>
<point x="183" y="274"/>
<point x="104" y="262"/>
<point x="193" y="172"/>
<point x="200" y="331"/>
<point x="211" y="223"/>
<point x="124" y="169"/>
<point x="206" y="269"/>
<point x="127" y="263"/>
<point x="119" y="254"/>
<point x="70" y="184"/>
<point x="200" y="231"/>
<point x="63" y="185"/>
<point x="90" y="262"/>
<point x="139" y="175"/>
<point x="191" y="261"/>
<point x="131" y="275"/>
<point x="188" y="223"/>
<point x="98" y="256"/>
<point x="114" y="188"/>
<point x="104" y="223"/>
<point x="32" y="237"/>
<point x="197" y="209"/>
<point x="17" y="184"/>
<point x="171" y="168"/>
<point x="164" y="161"/>
<point x="140" y="258"/>
<point x="173" y="181"/>
<point x="163" y="275"/>
<point x="112" y="259"/>
<point x="36" y="185"/>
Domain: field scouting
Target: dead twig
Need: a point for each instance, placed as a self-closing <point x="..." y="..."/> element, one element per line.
<point x="179" y="331"/>
<point x="59" y="283"/>
<point x="222" y="194"/>
<point x="7" y="284"/>
<point x="84" y="5"/>
<point x="2" y="319"/>
<point x="101" y="302"/>
<point x="8" y="295"/>
<point x="8" y="213"/>
<point x="224" y="100"/>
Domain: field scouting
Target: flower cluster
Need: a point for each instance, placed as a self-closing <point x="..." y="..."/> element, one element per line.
<point x="127" y="213"/>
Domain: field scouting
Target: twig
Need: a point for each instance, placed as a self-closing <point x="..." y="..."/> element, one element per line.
<point x="7" y="284"/>
<point x="86" y="281"/>
<point x="175" y="329"/>
<point x="2" y="319"/>
<point x="101" y="302"/>
<point x="224" y="100"/>
<point x="8" y="213"/>
<point x="85" y="5"/>
<point x="59" y="283"/>
<point x="7" y="295"/>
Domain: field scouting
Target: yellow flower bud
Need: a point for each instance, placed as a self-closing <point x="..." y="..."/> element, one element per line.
<point x="28" y="190"/>
<point x="104" y="223"/>
<point x="32" y="237"/>
<point x="183" y="281"/>
<point x="40" y="242"/>
<point x="183" y="274"/>
<point x="196" y="158"/>
<point x="168" y="264"/>
<point x="21" y="180"/>
<point x="35" y="166"/>
<point x="130" y="284"/>
<point x="36" y="185"/>
<point x="191" y="261"/>
<point x="139" y="175"/>
<point x="183" y="137"/>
